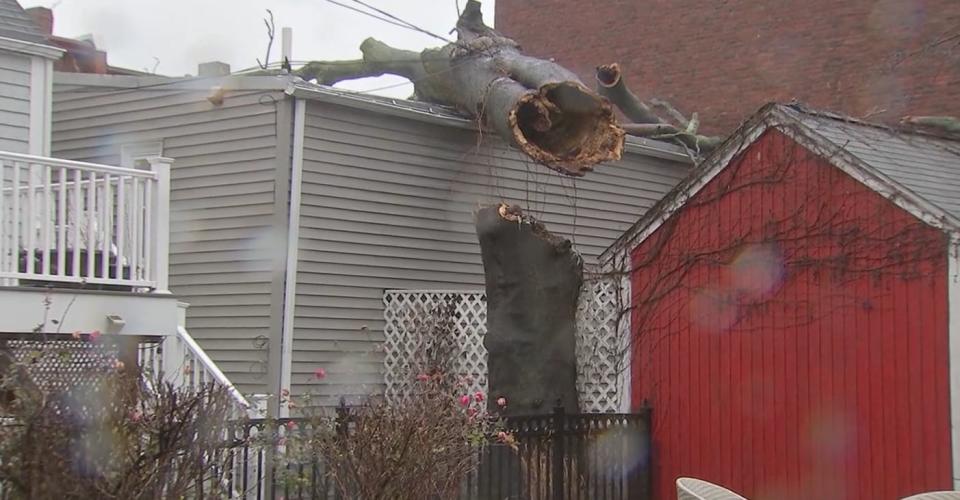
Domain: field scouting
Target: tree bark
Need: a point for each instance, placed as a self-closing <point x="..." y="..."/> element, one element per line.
<point x="533" y="280"/>
<point x="949" y="125"/>
<point x="536" y="105"/>
<point x="646" y="123"/>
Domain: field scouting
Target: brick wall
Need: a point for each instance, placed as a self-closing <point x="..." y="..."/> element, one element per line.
<point x="726" y="58"/>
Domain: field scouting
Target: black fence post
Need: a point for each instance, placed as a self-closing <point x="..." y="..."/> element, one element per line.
<point x="559" y="451"/>
<point x="646" y="412"/>
<point x="343" y="418"/>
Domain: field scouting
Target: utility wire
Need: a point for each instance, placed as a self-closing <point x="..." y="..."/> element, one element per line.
<point x="409" y="24"/>
<point x="369" y="14"/>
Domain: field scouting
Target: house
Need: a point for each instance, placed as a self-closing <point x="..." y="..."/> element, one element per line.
<point x="795" y="312"/>
<point x="83" y="246"/>
<point x="295" y="208"/>
<point x="882" y="58"/>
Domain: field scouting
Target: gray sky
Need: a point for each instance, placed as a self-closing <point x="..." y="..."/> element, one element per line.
<point x="183" y="33"/>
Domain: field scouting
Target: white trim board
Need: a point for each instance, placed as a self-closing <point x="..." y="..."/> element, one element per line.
<point x="953" y="314"/>
<point x="293" y="246"/>
<point x="41" y="112"/>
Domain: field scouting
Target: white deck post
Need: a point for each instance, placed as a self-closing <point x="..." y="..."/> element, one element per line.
<point x="160" y="223"/>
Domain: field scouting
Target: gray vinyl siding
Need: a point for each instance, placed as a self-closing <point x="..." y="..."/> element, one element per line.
<point x="388" y="203"/>
<point x="224" y="240"/>
<point x="14" y="103"/>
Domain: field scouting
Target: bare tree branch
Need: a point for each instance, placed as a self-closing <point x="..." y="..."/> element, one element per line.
<point x="610" y="84"/>
<point x="271" y="30"/>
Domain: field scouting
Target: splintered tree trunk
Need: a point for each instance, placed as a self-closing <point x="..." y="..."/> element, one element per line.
<point x="536" y="105"/>
<point x="533" y="281"/>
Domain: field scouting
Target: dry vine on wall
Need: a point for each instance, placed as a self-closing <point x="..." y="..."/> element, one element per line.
<point x="779" y="240"/>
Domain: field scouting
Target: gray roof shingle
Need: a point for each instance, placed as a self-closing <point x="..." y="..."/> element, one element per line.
<point x="928" y="166"/>
<point x="921" y="164"/>
<point x="15" y="23"/>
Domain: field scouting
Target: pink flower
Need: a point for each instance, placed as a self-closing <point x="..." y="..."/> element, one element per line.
<point x="291" y="425"/>
<point x="501" y="436"/>
<point x="319" y="373"/>
<point x="423" y="377"/>
<point x="478" y="396"/>
<point x="465" y="400"/>
<point x="471" y="412"/>
<point x="94" y="335"/>
<point x="502" y="402"/>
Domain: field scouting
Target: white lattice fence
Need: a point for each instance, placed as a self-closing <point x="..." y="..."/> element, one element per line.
<point x="601" y="361"/>
<point x="410" y="314"/>
<point x="410" y="317"/>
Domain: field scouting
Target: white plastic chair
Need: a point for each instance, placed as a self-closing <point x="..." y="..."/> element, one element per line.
<point x="936" y="495"/>
<point x="689" y="488"/>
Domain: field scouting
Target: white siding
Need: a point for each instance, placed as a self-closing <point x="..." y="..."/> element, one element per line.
<point x="388" y="203"/>
<point x="14" y="102"/>
<point x="223" y="243"/>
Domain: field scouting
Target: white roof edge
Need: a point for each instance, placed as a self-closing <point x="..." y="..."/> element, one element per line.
<point x="441" y="115"/>
<point x="232" y="82"/>
<point x="30" y="48"/>
<point x="875" y="179"/>
<point x="775" y="118"/>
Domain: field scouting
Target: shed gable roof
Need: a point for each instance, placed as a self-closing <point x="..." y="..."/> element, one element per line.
<point x="927" y="165"/>
<point x="918" y="172"/>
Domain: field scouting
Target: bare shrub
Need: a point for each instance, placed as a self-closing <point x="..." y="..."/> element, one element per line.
<point x="119" y="437"/>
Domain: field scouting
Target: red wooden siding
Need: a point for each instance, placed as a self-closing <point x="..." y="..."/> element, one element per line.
<point x="791" y="336"/>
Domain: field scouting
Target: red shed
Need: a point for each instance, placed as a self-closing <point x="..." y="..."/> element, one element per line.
<point x="795" y="318"/>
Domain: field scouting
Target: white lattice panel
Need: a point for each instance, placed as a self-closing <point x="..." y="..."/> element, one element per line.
<point x="413" y="317"/>
<point x="411" y="314"/>
<point x="601" y="361"/>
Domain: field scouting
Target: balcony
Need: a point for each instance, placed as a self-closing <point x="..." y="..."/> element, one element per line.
<point x="84" y="247"/>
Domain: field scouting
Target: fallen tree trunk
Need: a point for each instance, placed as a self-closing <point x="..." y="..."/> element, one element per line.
<point x="949" y="125"/>
<point x="646" y="123"/>
<point x="536" y="105"/>
<point x="533" y="281"/>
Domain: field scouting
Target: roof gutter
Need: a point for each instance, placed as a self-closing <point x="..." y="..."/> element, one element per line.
<point x="30" y="48"/>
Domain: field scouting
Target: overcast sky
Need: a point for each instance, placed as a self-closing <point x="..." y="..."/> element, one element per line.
<point x="183" y="33"/>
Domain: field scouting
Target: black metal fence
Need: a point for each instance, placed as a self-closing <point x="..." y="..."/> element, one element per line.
<point x="558" y="456"/>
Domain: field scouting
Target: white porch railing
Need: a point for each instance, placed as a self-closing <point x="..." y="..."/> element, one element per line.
<point x="178" y="359"/>
<point x="64" y="221"/>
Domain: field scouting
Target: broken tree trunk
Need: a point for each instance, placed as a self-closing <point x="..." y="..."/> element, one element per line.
<point x="533" y="280"/>
<point x="646" y="123"/>
<point x="536" y="105"/>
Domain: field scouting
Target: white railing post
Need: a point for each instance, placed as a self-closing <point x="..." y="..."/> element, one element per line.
<point x="160" y="223"/>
